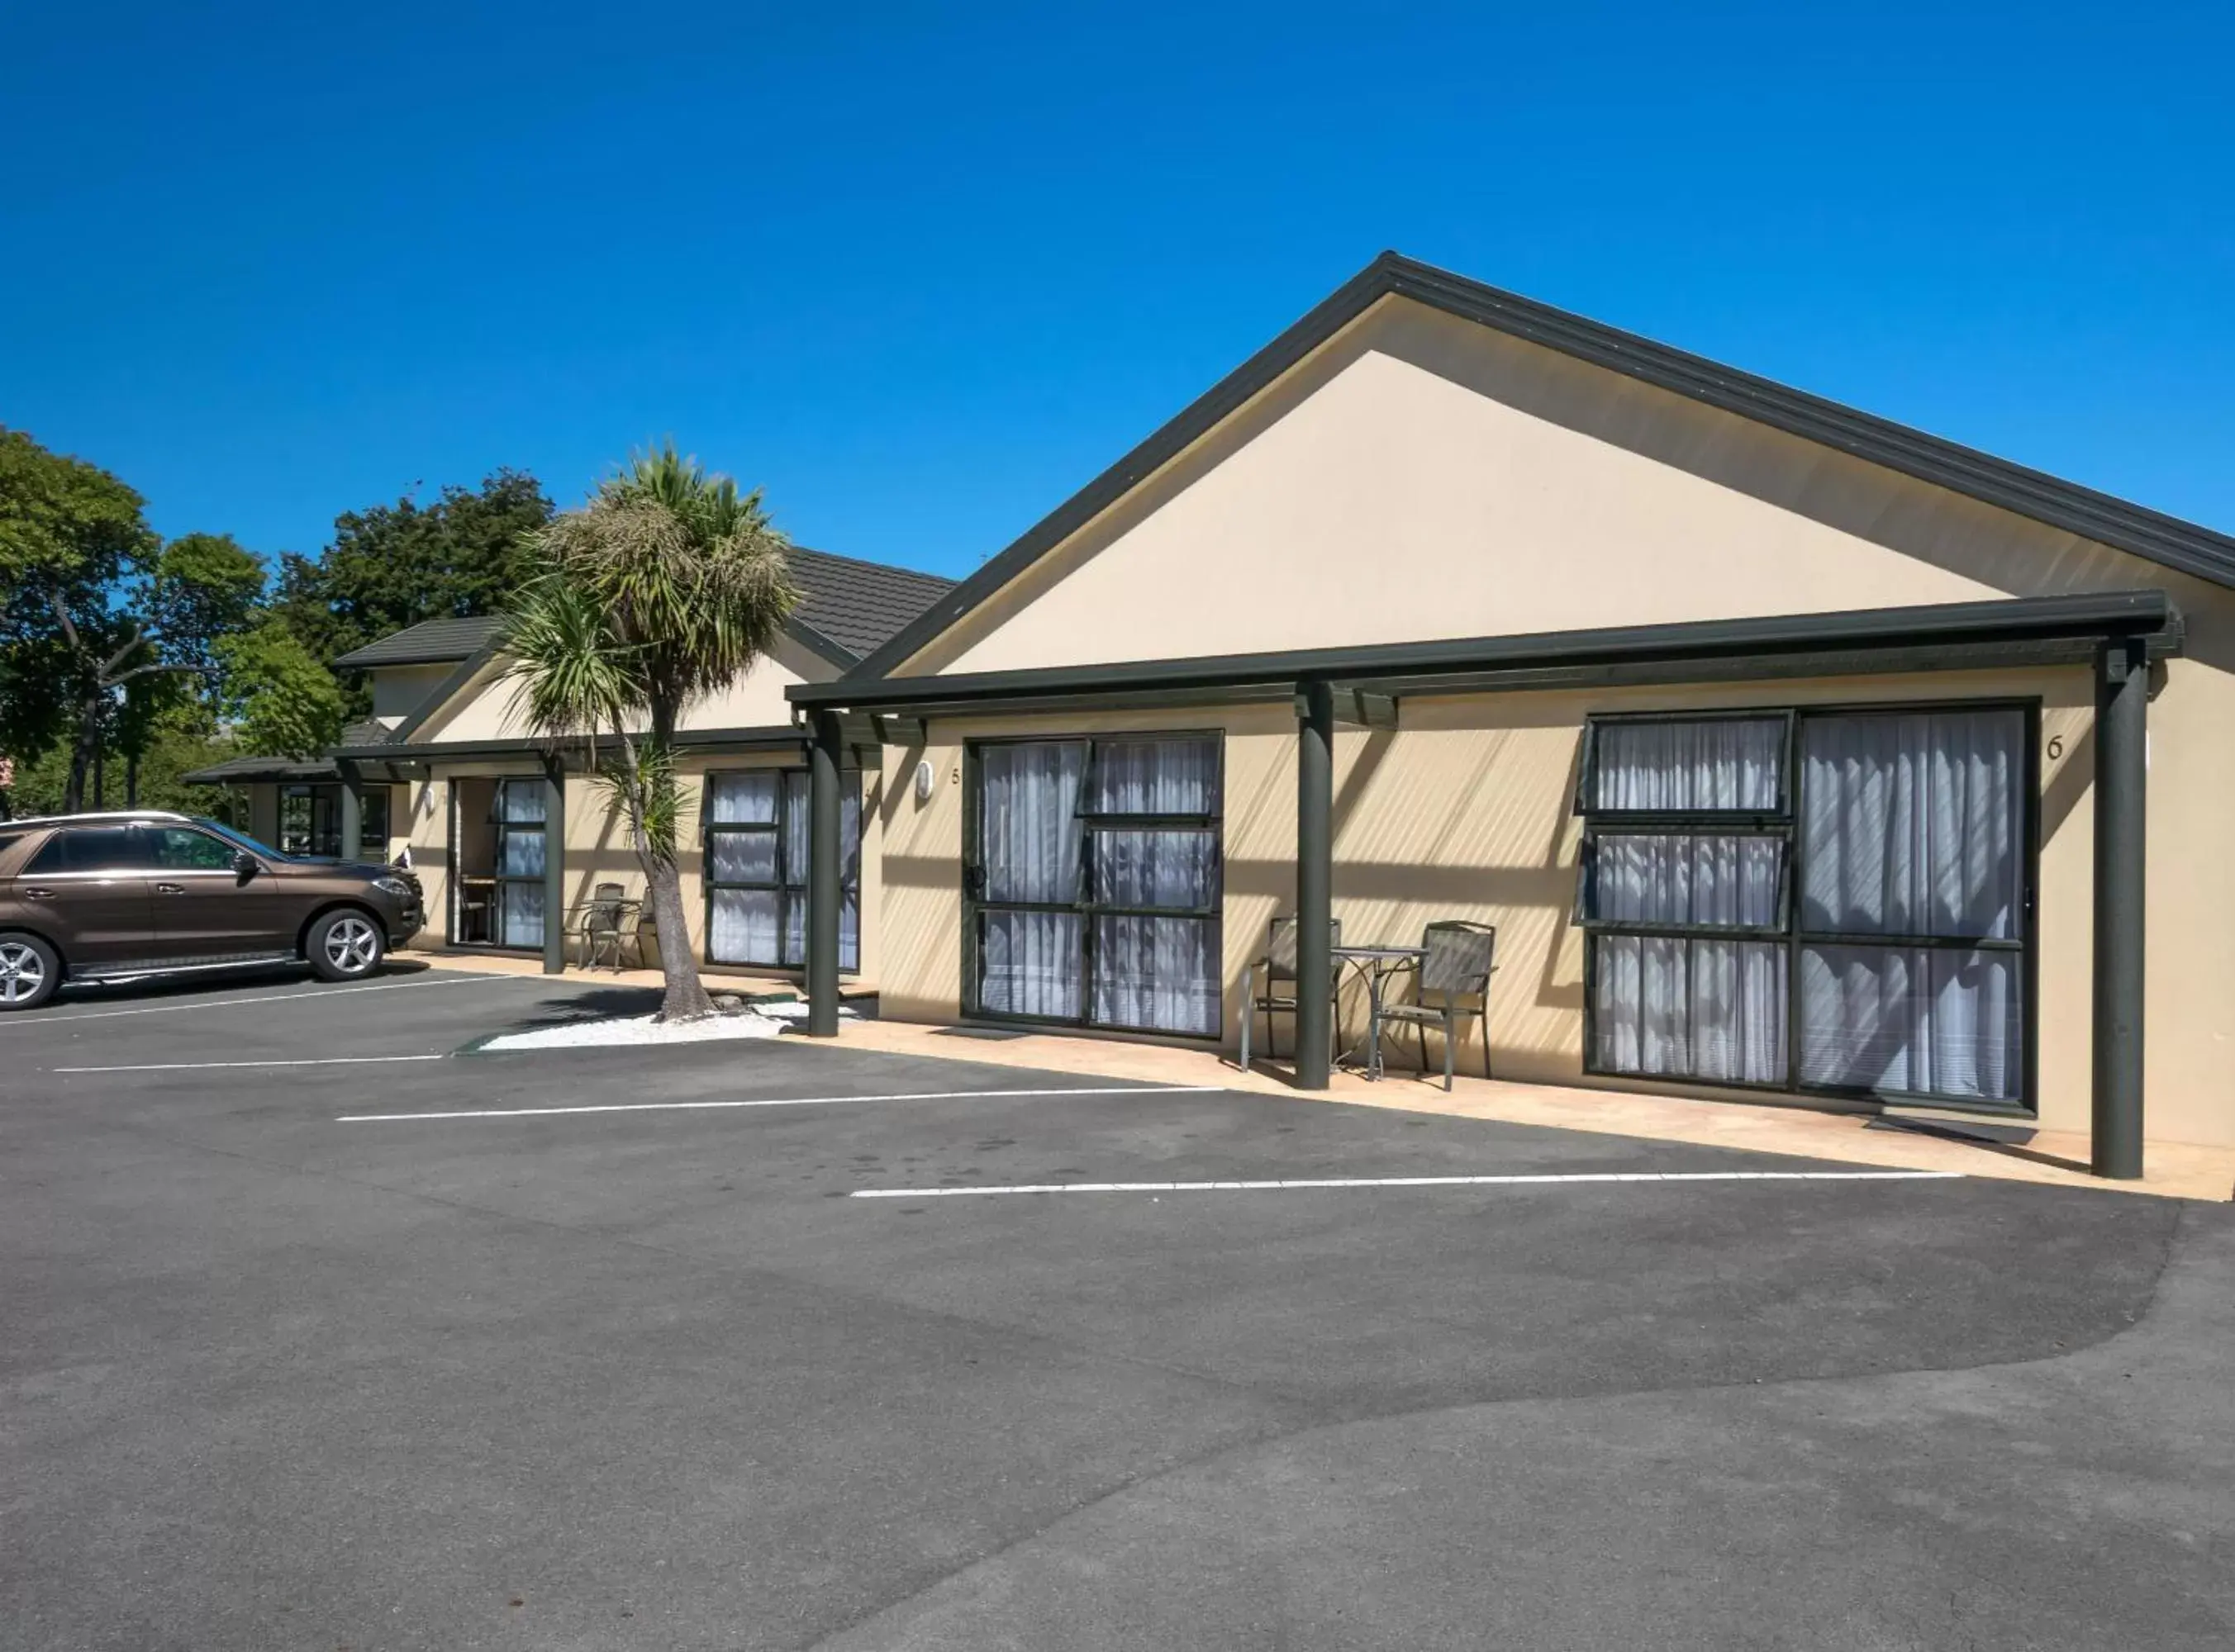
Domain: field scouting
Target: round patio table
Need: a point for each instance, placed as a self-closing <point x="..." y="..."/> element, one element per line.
<point x="1376" y="966"/>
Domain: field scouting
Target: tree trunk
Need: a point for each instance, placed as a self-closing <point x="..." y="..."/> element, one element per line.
<point x="685" y="997"/>
<point x="85" y="743"/>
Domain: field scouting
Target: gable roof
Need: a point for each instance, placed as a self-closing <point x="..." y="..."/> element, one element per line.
<point x="2164" y="539"/>
<point x="847" y="608"/>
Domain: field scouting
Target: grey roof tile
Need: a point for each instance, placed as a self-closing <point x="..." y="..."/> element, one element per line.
<point x="856" y="605"/>
<point x="430" y="642"/>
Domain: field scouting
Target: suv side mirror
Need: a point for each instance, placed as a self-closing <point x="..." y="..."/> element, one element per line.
<point x="246" y="865"/>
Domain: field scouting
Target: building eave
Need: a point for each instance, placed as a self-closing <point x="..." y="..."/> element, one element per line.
<point x="2165" y="540"/>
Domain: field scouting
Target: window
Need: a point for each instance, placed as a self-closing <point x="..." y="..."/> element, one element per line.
<point x="184" y="849"/>
<point x="1914" y="903"/>
<point x="309" y="821"/>
<point x="1826" y="900"/>
<point x="93" y="849"/>
<point x="516" y="815"/>
<point x="374" y="821"/>
<point x="1095" y="882"/>
<point x="756" y="824"/>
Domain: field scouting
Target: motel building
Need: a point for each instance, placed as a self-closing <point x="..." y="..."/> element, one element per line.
<point x="1789" y="754"/>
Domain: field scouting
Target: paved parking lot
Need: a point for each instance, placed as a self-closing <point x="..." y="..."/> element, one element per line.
<point x="555" y="1380"/>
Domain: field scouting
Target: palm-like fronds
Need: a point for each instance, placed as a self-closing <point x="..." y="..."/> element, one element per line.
<point x="665" y="586"/>
<point x="576" y="677"/>
<point x="639" y="779"/>
<point x="684" y="569"/>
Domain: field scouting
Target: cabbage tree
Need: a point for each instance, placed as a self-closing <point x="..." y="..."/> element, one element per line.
<point x="665" y="586"/>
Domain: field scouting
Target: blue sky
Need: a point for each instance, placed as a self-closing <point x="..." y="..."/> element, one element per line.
<point x="922" y="275"/>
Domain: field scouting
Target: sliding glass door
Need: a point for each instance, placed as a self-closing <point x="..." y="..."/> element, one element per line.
<point x="1094" y="882"/>
<point x="517" y="821"/>
<point x="1833" y="900"/>
<point x="756" y="850"/>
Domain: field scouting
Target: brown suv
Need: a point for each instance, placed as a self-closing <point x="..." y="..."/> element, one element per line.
<point x="108" y="896"/>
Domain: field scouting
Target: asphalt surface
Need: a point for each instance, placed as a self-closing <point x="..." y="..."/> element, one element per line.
<point x="650" y="1380"/>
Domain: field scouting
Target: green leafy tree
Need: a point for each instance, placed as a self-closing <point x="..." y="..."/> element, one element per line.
<point x="177" y="742"/>
<point x="664" y="587"/>
<point x="282" y="703"/>
<point x="393" y="565"/>
<point x="73" y="539"/>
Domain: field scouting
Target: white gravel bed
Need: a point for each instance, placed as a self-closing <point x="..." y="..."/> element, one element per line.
<point x="762" y="1021"/>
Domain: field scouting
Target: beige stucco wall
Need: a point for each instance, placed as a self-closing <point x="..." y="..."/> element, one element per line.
<point x="598" y="848"/>
<point x="598" y="851"/>
<point x="1420" y="477"/>
<point x="488" y="707"/>
<point x="1464" y="811"/>
<point x="399" y="691"/>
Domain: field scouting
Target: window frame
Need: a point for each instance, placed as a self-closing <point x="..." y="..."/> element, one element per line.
<point x="1087" y="823"/>
<point x="62" y="842"/>
<point x="1790" y="932"/>
<point x="500" y="828"/>
<point x="153" y="829"/>
<point x="778" y="829"/>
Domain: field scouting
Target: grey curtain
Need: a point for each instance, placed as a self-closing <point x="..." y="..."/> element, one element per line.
<point x="743" y="924"/>
<point x="769" y="926"/>
<point x="798" y="834"/>
<point x="1151" y="972"/>
<point x="1912" y="825"/>
<point x="1687" y="877"/>
<point x="1727" y="763"/>
<point x="520" y="856"/>
<point x="1031" y="963"/>
<point x="1689" y="1007"/>
<point x="1155" y="972"/>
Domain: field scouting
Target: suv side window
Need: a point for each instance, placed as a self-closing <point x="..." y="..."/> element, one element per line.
<point x="184" y="849"/>
<point x="105" y="848"/>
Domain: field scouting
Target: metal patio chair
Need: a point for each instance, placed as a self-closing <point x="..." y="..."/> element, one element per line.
<point x="1273" y="971"/>
<point x="606" y="923"/>
<point x="1455" y="971"/>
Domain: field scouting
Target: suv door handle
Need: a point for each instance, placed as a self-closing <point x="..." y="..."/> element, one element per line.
<point x="37" y="894"/>
<point x="170" y="889"/>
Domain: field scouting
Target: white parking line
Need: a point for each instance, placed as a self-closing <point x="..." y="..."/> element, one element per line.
<point x="779" y="1102"/>
<point x="203" y="1066"/>
<point x="1422" y="1181"/>
<point x="208" y="1004"/>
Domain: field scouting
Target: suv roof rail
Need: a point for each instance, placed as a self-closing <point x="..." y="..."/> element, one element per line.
<point x="95" y="815"/>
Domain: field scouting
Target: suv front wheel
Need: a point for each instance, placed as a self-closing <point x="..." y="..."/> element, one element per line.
<point x="30" y="971"/>
<point x="345" y="945"/>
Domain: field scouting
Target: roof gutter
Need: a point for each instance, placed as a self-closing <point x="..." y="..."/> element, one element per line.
<point x="1941" y="637"/>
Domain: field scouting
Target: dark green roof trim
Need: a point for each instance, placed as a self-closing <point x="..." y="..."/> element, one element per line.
<point x="2164" y="539"/>
<point x="448" y="689"/>
<point x="823" y="649"/>
<point x="1948" y="636"/>
<point x="242" y="771"/>
<point x="761" y="737"/>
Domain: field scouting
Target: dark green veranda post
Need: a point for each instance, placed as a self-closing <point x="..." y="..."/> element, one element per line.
<point x="352" y="802"/>
<point x="1314" y="882"/>
<point x="554" y="868"/>
<point x="2122" y="702"/>
<point x="823" y="878"/>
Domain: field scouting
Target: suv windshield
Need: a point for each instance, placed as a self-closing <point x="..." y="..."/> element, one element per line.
<point x="241" y="837"/>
